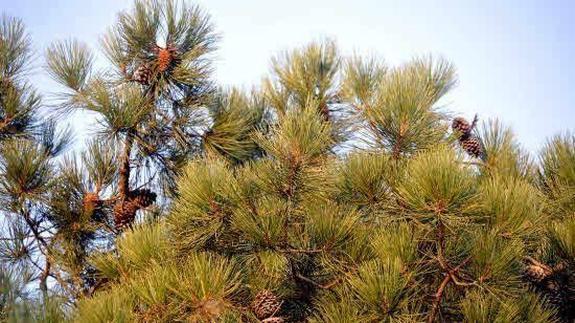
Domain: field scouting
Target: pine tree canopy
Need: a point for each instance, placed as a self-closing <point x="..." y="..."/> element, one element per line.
<point x="340" y="190"/>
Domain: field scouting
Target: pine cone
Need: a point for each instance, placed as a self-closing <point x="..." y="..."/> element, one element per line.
<point x="124" y="213"/>
<point x="143" y="74"/>
<point x="537" y="271"/>
<point x="165" y="57"/>
<point x="274" y="319"/>
<point x="266" y="304"/>
<point x="462" y="127"/>
<point x="472" y="146"/>
<point x="143" y="197"/>
<point x="556" y="284"/>
<point x="556" y="291"/>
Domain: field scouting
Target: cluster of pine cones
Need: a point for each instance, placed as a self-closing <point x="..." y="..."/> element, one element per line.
<point x="125" y="210"/>
<point x="164" y="60"/>
<point x="266" y="305"/>
<point x="469" y="142"/>
<point x="555" y="283"/>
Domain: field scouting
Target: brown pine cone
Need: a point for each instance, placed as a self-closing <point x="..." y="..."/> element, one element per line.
<point x="472" y="146"/>
<point x="265" y="304"/>
<point x="124" y="213"/>
<point x="143" y="74"/>
<point x="142" y="197"/>
<point x="537" y="273"/>
<point x="462" y="127"/>
<point x="555" y="284"/>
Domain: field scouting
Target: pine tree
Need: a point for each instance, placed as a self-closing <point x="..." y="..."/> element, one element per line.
<point x="28" y="147"/>
<point x="406" y="228"/>
<point x="556" y="262"/>
<point x="58" y="210"/>
<point x="342" y="190"/>
<point x="156" y="107"/>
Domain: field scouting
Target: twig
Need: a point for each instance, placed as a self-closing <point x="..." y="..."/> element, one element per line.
<point x="438" y="295"/>
<point x="94" y="287"/>
<point x="124" y="171"/>
<point x="318" y="285"/>
<point x="44" y="277"/>
<point x="291" y="250"/>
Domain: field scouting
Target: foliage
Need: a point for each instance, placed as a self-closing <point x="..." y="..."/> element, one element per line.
<point x="366" y="237"/>
<point x="333" y="193"/>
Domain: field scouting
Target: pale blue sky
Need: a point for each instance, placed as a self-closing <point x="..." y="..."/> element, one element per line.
<point x="515" y="59"/>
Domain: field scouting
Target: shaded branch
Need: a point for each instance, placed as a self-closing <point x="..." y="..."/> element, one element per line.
<point x="318" y="285"/>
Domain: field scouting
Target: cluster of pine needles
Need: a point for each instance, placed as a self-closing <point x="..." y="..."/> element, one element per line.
<point x="340" y="190"/>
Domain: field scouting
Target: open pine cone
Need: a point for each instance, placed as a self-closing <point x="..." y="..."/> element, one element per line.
<point x="463" y="127"/>
<point x="143" y="74"/>
<point x="125" y="211"/>
<point x="537" y="272"/>
<point x="142" y="197"/>
<point x="266" y="304"/>
<point x="472" y="146"/>
<point x="555" y="283"/>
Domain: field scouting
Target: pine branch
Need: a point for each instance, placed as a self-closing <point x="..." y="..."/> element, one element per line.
<point x="44" y="277"/>
<point x="125" y="168"/>
<point x="318" y="285"/>
<point x="41" y="244"/>
<point x="310" y="251"/>
<point x="440" y="290"/>
<point x="397" y="145"/>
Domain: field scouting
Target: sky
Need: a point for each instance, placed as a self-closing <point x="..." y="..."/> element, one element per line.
<point x="515" y="58"/>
